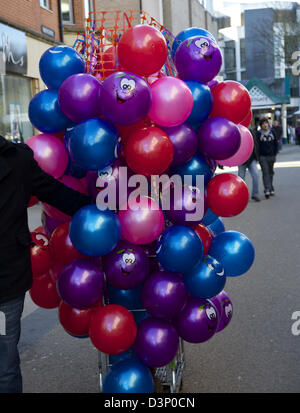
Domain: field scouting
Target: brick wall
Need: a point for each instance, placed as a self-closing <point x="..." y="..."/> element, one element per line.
<point x="30" y="15"/>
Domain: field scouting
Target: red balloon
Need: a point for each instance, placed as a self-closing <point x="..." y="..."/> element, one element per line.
<point x="33" y="201"/>
<point x="61" y="248"/>
<point x="149" y="151"/>
<point x="39" y="237"/>
<point x="40" y="260"/>
<point x="74" y="320"/>
<point x="43" y="292"/>
<point x="112" y="329"/>
<point x="248" y="119"/>
<point x="227" y="195"/>
<point x="126" y="131"/>
<point x="231" y="100"/>
<point x="143" y="50"/>
<point x="55" y="270"/>
<point x="206" y="236"/>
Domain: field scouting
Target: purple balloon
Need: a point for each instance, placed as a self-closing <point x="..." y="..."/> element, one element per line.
<point x="198" y="320"/>
<point x="80" y="283"/>
<point x="125" y="98"/>
<point x="164" y="294"/>
<point x="126" y="266"/>
<point x="198" y="58"/>
<point x="156" y="343"/>
<point x="98" y="180"/>
<point x="49" y="223"/>
<point x="79" y="97"/>
<point x="184" y="141"/>
<point x="219" y="138"/>
<point x="223" y="304"/>
<point x="186" y="201"/>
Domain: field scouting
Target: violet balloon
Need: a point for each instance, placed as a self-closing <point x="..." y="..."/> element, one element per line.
<point x="79" y="97"/>
<point x="219" y="138"/>
<point x="223" y="303"/>
<point x="142" y="225"/>
<point x="126" y="266"/>
<point x="164" y="294"/>
<point x="80" y="284"/>
<point x="50" y="153"/>
<point x="49" y="223"/>
<point x="198" y="58"/>
<point x="198" y="321"/>
<point x="172" y="102"/>
<point x="245" y="150"/>
<point x="184" y="140"/>
<point x="125" y="98"/>
<point x="156" y="343"/>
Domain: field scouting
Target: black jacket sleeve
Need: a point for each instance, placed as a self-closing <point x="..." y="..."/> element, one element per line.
<point x="49" y="190"/>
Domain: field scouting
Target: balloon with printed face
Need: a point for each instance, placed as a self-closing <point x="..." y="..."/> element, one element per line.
<point x="198" y="58"/>
<point x="206" y="279"/>
<point x="198" y="321"/>
<point x="125" y="98"/>
<point x="188" y="33"/>
<point x="39" y="253"/>
<point x="234" y="251"/>
<point x="126" y="266"/>
<point x="58" y="63"/>
<point x="142" y="49"/>
<point x="224" y="305"/>
<point x="93" y="143"/>
<point x="128" y="376"/>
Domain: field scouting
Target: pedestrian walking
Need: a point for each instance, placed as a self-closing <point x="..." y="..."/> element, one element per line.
<point x="20" y="178"/>
<point x="268" y="149"/>
<point x="251" y="165"/>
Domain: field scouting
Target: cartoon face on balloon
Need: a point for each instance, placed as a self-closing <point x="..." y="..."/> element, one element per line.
<point x="211" y="317"/>
<point x="214" y="265"/>
<point x="125" y="98"/>
<point x="198" y="58"/>
<point x="224" y="306"/>
<point x="126" y="266"/>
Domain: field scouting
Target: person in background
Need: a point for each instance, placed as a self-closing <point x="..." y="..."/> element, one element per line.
<point x="297" y="134"/>
<point x="251" y="165"/>
<point x="20" y="178"/>
<point x="277" y="131"/>
<point x="268" y="149"/>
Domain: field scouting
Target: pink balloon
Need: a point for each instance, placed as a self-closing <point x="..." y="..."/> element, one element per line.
<point x="172" y="101"/>
<point x="144" y="225"/>
<point x="50" y="153"/>
<point x="71" y="182"/>
<point x="245" y="150"/>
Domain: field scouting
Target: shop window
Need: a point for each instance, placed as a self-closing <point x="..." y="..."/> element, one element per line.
<point x="67" y="11"/>
<point x="15" y="95"/>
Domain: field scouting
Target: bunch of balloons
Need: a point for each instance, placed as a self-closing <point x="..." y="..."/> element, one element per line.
<point x="136" y="280"/>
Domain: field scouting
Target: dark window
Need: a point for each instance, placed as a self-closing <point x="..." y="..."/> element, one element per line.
<point x="243" y="52"/>
<point x="229" y="55"/>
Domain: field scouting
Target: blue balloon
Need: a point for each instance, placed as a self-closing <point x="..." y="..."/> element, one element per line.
<point x="179" y="249"/>
<point x="206" y="279"/>
<point x="202" y="102"/>
<point x="217" y="226"/>
<point x="197" y="165"/>
<point x="140" y="315"/>
<point x="93" y="232"/>
<point x="93" y="143"/>
<point x="45" y="114"/>
<point x="128" y="376"/>
<point x="130" y="299"/>
<point x="126" y="355"/>
<point x="234" y="251"/>
<point x="209" y="217"/>
<point x="186" y="34"/>
<point x="58" y="63"/>
<point x="72" y="169"/>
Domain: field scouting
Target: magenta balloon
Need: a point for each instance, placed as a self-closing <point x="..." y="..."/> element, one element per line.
<point x="50" y="153"/>
<point x="156" y="343"/>
<point x="79" y="97"/>
<point x="172" y="101"/>
<point x="164" y="294"/>
<point x="245" y="150"/>
<point x="198" y="321"/>
<point x="219" y="138"/>
<point x="184" y="141"/>
<point x="143" y="225"/>
<point x="70" y="182"/>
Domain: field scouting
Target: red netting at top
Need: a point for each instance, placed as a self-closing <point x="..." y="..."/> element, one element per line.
<point x="103" y="30"/>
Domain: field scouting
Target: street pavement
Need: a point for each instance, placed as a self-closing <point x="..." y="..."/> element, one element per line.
<point x="257" y="352"/>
